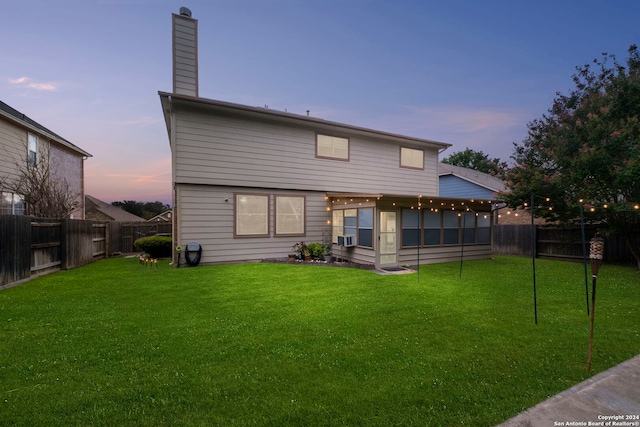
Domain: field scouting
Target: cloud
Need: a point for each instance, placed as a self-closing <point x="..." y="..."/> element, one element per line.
<point x="29" y="83"/>
<point x="143" y="121"/>
<point x="142" y="179"/>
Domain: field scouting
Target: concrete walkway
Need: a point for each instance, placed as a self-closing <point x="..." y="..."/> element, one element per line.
<point x="611" y="398"/>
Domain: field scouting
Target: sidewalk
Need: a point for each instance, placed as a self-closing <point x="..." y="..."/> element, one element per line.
<point x="611" y="398"/>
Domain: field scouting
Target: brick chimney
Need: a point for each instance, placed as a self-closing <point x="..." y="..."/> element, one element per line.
<point x="185" y="53"/>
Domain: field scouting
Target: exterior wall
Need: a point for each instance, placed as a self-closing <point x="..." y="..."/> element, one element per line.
<point x="185" y="55"/>
<point x="207" y="215"/>
<point x="433" y="255"/>
<point x="62" y="162"/>
<point x="69" y="167"/>
<point x="215" y="148"/>
<point x="453" y="186"/>
<point x="13" y="148"/>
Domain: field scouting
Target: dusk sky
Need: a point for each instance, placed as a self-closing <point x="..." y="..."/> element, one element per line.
<point x="468" y="73"/>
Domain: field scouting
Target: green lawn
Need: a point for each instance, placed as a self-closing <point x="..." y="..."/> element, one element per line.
<point x="115" y="343"/>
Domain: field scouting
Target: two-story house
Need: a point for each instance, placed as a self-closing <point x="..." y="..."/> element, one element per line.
<point x="251" y="182"/>
<point x="25" y="140"/>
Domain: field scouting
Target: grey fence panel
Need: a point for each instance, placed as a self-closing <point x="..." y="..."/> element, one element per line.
<point x="561" y="243"/>
<point x="15" y="254"/>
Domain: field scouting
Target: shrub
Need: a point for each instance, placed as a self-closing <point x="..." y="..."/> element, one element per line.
<point x="155" y="246"/>
<point x="316" y="250"/>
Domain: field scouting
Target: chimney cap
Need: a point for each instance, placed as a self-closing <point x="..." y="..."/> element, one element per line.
<point x="185" y="11"/>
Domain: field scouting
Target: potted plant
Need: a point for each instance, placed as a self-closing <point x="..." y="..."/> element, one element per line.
<point x="327" y="251"/>
<point x="301" y="249"/>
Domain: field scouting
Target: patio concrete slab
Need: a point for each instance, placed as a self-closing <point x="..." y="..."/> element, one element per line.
<point x="609" y="399"/>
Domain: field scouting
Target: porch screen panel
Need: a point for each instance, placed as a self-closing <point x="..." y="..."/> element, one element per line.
<point x="484" y="228"/>
<point x="469" y="227"/>
<point x="365" y="227"/>
<point x="290" y="215"/>
<point x="450" y="227"/>
<point x="252" y="215"/>
<point x="432" y="224"/>
<point x="410" y="227"/>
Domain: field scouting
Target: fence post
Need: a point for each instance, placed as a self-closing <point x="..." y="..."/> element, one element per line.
<point x="64" y="243"/>
<point x="107" y="238"/>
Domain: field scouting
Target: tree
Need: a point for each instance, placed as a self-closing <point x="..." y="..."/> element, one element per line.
<point x="146" y="210"/>
<point x="477" y="160"/>
<point x="586" y="150"/>
<point x="45" y="194"/>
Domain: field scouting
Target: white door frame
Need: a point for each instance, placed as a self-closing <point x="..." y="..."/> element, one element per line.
<point x="387" y="251"/>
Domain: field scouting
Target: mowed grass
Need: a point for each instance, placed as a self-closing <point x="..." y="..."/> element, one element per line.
<point x="115" y="343"/>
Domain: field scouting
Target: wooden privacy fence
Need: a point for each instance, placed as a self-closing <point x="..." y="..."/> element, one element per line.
<point x="34" y="245"/>
<point x="563" y="243"/>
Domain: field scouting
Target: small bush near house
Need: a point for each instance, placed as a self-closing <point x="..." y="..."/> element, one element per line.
<point x="316" y="250"/>
<point x="155" y="246"/>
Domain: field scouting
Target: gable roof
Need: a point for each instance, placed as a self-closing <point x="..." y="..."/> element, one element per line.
<point x="168" y="99"/>
<point x="113" y="212"/>
<point x="17" y="117"/>
<point x="473" y="176"/>
<point x="162" y="217"/>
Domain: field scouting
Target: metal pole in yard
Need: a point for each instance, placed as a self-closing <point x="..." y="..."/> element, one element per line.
<point x="533" y="261"/>
<point x="584" y="256"/>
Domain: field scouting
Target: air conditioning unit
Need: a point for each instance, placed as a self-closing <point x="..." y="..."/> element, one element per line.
<point x="347" y="241"/>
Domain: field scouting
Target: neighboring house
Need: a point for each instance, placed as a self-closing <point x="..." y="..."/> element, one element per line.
<point x="24" y="140"/>
<point x="251" y="182"/>
<point x="163" y="217"/>
<point x="464" y="183"/>
<point x="98" y="210"/>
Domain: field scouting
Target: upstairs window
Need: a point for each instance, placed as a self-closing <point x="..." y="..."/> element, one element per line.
<point x="33" y="150"/>
<point x="332" y="147"/>
<point x="411" y="158"/>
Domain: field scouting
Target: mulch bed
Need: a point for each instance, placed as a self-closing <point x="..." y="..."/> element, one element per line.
<point x="333" y="263"/>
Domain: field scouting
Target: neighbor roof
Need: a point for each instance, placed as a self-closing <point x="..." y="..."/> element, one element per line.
<point x="479" y="178"/>
<point x="113" y="212"/>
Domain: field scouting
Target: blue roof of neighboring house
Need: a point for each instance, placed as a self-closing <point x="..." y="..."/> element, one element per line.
<point x="464" y="183"/>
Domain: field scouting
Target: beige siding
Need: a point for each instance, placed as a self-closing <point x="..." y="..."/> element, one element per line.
<point x="437" y="254"/>
<point x="219" y="149"/>
<point x="13" y="148"/>
<point x="185" y="55"/>
<point x="206" y="216"/>
<point x="69" y="167"/>
<point x="63" y="163"/>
